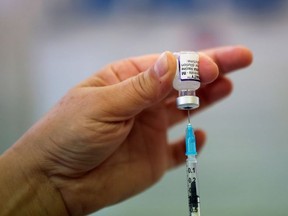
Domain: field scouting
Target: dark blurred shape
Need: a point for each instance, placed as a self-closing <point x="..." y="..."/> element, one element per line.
<point x="176" y="4"/>
<point x="102" y="8"/>
<point x="259" y="6"/>
<point x="141" y="6"/>
<point x="93" y="5"/>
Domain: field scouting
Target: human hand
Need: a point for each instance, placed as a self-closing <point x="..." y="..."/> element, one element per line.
<point x="106" y="140"/>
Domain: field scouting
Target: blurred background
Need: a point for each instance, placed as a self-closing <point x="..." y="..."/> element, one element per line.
<point x="46" y="47"/>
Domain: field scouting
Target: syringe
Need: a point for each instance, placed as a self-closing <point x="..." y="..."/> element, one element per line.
<point x="191" y="169"/>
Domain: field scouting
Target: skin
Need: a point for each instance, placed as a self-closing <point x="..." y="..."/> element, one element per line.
<point x="106" y="140"/>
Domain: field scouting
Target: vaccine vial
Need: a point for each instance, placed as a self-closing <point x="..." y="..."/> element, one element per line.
<point x="187" y="79"/>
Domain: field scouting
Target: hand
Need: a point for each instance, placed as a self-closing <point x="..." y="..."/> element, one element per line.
<point x="106" y="140"/>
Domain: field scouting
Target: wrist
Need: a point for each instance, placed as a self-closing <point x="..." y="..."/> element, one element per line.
<point x="24" y="187"/>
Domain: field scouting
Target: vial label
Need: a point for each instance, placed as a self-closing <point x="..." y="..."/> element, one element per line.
<point x="188" y="66"/>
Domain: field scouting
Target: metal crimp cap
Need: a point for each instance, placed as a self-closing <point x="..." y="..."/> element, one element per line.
<point x="187" y="102"/>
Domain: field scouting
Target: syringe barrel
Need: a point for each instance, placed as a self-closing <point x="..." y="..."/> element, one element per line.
<point x="192" y="183"/>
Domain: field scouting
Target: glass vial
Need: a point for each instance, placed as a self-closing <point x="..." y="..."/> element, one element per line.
<point x="187" y="79"/>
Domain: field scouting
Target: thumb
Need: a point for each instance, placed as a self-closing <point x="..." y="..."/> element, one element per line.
<point x="131" y="96"/>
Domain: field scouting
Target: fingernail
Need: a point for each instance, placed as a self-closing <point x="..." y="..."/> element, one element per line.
<point x="161" y="65"/>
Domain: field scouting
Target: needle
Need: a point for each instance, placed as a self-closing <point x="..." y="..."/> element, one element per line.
<point x="188" y="116"/>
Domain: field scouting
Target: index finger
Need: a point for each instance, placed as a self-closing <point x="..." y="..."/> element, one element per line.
<point x="227" y="58"/>
<point x="230" y="58"/>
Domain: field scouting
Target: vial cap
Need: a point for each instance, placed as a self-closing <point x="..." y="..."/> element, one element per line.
<point x="187" y="102"/>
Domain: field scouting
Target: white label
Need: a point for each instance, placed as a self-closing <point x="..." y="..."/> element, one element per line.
<point x="188" y="66"/>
